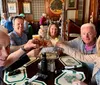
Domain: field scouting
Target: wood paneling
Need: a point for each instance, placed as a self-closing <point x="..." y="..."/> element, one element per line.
<point x="94" y="9"/>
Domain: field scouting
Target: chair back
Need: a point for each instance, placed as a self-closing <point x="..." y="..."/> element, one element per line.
<point x="73" y="30"/>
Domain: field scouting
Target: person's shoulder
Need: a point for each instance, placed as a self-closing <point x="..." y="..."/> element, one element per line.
<point x="76" y="39"/>
<point x="12" y="34"/>
<point x="24" y="35"/>
<point x="7" y="23"/>
<point x="2" y="20"/>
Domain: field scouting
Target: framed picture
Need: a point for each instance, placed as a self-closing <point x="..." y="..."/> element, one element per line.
<point x="72" y="4"/>
<point x="27" y="7"/>
<point x="12" y="7"/>
<point x="56" y="6"/>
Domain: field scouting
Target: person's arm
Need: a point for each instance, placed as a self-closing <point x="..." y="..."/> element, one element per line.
<point x="30" y="49"/>
<point x="75" y="43"/>
<point x="78" y="82"/>
<point x="92" y="58"/>
<point x="14" y="57"/>
<point x="15" y="48"/>
<point x="24" y="58"/>
<point x="20" y="62"/>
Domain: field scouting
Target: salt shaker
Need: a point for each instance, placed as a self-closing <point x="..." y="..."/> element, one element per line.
<point x="51" y="65"/>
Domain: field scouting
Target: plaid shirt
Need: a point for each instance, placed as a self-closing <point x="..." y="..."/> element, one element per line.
<point x="16" y="40"/>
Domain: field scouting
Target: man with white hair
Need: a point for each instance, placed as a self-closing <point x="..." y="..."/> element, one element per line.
<point x="87" y="42"/>
<point x="43" y="19"/>
<point x="84" y="49"/>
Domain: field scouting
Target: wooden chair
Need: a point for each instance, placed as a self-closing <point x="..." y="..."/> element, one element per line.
<point x="73" y="30"/>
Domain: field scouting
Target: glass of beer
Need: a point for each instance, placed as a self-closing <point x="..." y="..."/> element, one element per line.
<point x="36" y="37"/>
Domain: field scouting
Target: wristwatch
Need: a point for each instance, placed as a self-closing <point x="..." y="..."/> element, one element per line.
<point x="23" y="49"/>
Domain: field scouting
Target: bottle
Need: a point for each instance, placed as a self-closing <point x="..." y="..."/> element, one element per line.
<point x="44" y="64"/>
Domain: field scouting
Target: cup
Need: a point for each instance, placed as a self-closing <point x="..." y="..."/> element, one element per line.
<point x="36" y="37"/>
<point x="38" y="40"/>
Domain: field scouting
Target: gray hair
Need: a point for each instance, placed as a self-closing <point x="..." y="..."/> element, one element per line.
<point x="88" y="25"/>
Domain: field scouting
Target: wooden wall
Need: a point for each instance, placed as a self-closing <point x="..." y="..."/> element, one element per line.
<point x="47" y="3"/>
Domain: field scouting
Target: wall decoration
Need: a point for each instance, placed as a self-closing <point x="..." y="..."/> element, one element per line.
<point x="72" y="4"/>
<point x="26" y="7"/>
<point x="12" y="7"/>
<point x="56" y="6"/>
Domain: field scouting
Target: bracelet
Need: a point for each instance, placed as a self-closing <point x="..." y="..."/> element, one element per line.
<point x="23" y="49"/>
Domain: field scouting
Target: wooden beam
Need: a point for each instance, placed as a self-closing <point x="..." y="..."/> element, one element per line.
<point x="63" y="23"/>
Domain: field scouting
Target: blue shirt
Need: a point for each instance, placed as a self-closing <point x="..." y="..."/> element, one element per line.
<point x="9" y="26"/>
<point x="16" y="40"/>
<point x="78" y="44"/>
<point x="3" y="21"/>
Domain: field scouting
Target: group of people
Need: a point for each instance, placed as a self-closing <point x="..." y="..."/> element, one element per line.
<point x="17" y="27"/>
<point x="8" y="22"/>
<point x="84" y="48"/>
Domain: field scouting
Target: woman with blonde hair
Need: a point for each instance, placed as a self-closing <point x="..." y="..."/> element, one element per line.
<point x="54" y="33"/>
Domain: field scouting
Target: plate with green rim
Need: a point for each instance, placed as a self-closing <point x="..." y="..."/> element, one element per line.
<point x="69" y="61"/>
<point x="68" y="76"/>
<point x="11" y="79"/>
<point x="34" y="82"/>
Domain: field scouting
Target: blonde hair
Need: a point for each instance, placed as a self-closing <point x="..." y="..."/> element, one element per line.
<point x="98" y="46"/>
<point x="48" y="32"/>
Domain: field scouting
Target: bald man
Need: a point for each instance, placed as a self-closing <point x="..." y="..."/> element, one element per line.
<point x="6" y="60"/>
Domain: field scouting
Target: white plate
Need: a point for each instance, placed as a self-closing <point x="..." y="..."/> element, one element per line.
<point x="15" y="78"/>
<point x="68" y="76"/>
<point x="34" y="82"/>
<point x="69" y="61"/>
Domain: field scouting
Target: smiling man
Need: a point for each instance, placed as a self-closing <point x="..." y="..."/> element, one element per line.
<point x="17" y="37"/>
